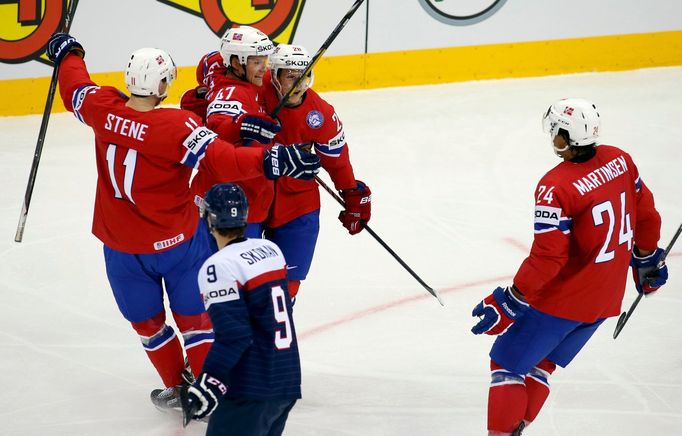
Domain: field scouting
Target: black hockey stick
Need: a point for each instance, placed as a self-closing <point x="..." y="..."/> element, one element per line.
<point x="283" y="101"/>
<point x="623" y="319"/>
<point x="383" y="244"/>
<point x="188" y="410"/>
<point x="317" y="56"/>
<point x="19" y="235"/>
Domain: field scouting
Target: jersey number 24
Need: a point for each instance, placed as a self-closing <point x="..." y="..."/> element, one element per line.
<point x="624" y="233"/>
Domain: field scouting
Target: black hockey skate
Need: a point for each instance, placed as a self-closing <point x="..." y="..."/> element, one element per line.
<point x="169" y="398"/>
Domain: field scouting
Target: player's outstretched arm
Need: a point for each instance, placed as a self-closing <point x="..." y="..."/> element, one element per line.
<point x="498" y="311"/>
<point x="65" y="51"/>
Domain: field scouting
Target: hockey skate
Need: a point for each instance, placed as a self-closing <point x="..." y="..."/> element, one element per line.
<point x="169" y="398"/>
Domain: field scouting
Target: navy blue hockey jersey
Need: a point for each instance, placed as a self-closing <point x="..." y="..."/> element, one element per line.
<point x="255" y="352"/>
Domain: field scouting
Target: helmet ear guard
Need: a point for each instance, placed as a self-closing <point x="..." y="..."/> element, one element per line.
<point x="146" y="69"/>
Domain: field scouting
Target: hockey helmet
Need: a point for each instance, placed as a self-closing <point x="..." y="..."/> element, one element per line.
<point x="291" y="57"/>
<point x="576" y="116"/>
<point x="147" y="68"/>
<point x="243" y="42"/>
<point x="225" y="207"/>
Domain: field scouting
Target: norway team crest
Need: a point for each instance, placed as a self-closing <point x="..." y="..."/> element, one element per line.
<point x="315" y="119"/>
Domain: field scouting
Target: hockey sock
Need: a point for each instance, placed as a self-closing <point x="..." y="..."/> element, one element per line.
<point x="507" y="400"/>
<point x="537" y="387"/>
<point x="198" y="336"/>
<point x="163" y="348"/>
<point x="293" y="286"/>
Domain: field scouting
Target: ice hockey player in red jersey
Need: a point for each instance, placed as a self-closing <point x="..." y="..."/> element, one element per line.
<point x="144" y="213"/>
<point x="594" y="216"/>
<point x="306" y="118"/>
<point x="232" y="79"/>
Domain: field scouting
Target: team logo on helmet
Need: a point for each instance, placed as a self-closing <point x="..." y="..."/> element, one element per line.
<point x="460" y="13"/>
<point x="315" y="119"/>
<point x="26" y="28"/>
<point x="276" y="18"/>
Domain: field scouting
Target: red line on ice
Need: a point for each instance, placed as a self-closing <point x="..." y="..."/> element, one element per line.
<point x="392" y="304"/>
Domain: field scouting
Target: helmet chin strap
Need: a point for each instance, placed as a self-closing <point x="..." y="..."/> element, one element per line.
<point x="559" y="150"/>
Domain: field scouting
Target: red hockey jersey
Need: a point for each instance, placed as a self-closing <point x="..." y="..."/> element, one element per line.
<point x="586" y="218"/>
<point x="314" y="120"/>
<point x="144" y="161"/>
<point x="229" y="99"/>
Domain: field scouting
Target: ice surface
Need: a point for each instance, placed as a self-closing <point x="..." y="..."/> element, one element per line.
<point x="452" y="170"/>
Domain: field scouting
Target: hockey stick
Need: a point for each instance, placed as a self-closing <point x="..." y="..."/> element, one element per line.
<point x="623" y="319"/>
<point x="19" y="235"/>
<point x="383" y="244"/>
<point x="288" y="94"/>
<point x="317" y="56"/>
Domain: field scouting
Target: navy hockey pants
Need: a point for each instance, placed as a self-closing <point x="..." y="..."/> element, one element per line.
<point x="235" y="417"/>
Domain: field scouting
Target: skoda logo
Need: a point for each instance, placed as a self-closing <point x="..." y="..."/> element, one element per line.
<point x="461" y="12"/>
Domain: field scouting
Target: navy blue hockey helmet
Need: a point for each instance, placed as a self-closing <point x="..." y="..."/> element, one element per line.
<point x="225" y="207"/>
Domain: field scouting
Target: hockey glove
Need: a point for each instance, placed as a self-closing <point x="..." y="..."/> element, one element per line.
<point x="194" y="100"/>
<point x="201" y="398"/>
<point x="499" y="311"/>
<point x="290" y="160"/>
<point x="256" y="127"/>
<point x="60" y="44"/>
<point x="358" y="208"/>
<point x="647" y="273"/>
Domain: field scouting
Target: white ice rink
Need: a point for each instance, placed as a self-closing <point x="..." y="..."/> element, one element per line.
<point x="452" y="169"/>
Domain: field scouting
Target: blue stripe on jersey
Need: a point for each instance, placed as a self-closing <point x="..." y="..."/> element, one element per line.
<point x="564" y="226"/>
<point x="638" y="184"/>
<point x="78" y="98"/>
<point x="205" y="66"/>
<point x="334" y="147"/>
<point x="165" y="335"/>
<point x="196" y="144"/>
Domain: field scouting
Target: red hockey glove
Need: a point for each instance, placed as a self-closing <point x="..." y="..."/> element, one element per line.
<point x="499" y="311"/>
<point x="646" y="272"/>
<point x="194" y="100"/>
<point x="358" y="208"/>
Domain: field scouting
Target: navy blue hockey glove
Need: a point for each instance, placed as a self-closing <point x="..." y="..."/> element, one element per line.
<point x="290" y="160"/>
<point x="257" y="127"/>
<point x="201" y="398"/>
<point x="499" y="311"/>
<point x="60" y="44"/>
<point x="647" y="273"/>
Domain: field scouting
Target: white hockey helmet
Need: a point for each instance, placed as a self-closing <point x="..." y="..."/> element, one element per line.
<point x="290" y="57"/>
<point x="243" y="42"/>
<point x="147" y="68"/>
<point x="577" y="116"/>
